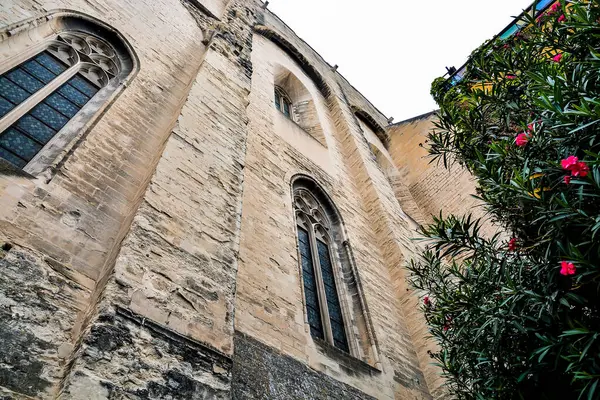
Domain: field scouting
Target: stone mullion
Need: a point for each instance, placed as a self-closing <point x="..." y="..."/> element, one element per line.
<point x="39" y="96"/>
<point x="343" y="297"/>
<point x="320" y="285"/>
<point x="300" y="223"/>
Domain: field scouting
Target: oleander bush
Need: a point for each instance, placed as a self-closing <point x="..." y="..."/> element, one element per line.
<point x="516" y="315"/>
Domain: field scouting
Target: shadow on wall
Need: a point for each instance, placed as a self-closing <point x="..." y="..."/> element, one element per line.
<point x="378" y="144"/>
<point x="400" y="191"/>
<point x="303" y="110"/>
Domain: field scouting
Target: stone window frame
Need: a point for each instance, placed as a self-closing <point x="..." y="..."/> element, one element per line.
<point x="302" y="103"/>
<point x="282" y="99"/>
<point x="340" y="252"/>
<point x="61" y="29"/>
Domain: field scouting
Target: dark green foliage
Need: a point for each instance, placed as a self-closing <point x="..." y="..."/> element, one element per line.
<point x="509" y="324"/>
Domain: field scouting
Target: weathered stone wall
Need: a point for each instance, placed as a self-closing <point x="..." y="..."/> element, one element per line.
<point x="433" y="187"/>
<point x="177" y="266"/>
<point x="130" y="356"/>
<point x="64" y="231"/>
<point x="38" y="307"/>
<point x="269" y="303"/>
<point x="170" y="226"/>
<point x="261" y="372"/>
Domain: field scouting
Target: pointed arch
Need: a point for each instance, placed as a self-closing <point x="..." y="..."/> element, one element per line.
<point x="302" y="107"/>
<point x="61" y="70"/>
<point x="295" y="55"/>
<point x="335" y="309"/>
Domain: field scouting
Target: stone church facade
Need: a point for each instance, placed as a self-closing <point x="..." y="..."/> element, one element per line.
<point x="195" y="205"/>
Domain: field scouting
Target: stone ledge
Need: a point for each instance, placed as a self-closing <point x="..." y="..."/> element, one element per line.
<point x="168" y="334"/>
<point x="346" y="361"/>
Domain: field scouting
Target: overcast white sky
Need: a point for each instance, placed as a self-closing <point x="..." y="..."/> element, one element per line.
<point x="391" y="50"/>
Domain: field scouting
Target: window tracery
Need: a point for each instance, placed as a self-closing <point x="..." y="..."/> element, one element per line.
<point x="315" y="244"/>
<point x="42" y="94"/>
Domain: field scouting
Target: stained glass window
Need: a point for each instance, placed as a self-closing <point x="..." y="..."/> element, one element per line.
<point x="333" y="301"/>
<point x="30" y="133"/>
<point x="323" y="308"/>
<point x="18" y="84"/>
<point x="39" y="120"/>
<point x="310" y="285"/>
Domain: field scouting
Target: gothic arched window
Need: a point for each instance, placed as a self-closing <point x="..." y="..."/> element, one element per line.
<point x="283" y="102"/>
<point x="317" y="248"/>
<point x="48" y="84"/>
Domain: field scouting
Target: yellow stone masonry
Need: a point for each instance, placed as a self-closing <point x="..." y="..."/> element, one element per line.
<point x="158" y="257"/>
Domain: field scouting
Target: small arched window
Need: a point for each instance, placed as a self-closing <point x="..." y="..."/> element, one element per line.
<point x="42" y="91"/>
<point x="283" y="102"/>
<point x="316" y="246"/>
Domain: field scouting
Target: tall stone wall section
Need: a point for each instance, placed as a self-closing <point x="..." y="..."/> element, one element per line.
<point x="269" y="298"/>
<point x="269" y="303"/>
<point x="63" y="233"/>
<point x="407" y="347"/>
<point x="176" y="270"/>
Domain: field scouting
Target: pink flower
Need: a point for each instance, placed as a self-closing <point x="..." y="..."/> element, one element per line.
<point x="530" y="127"/>
<point x="506" y="46"/>
<point x="569" y="162"/>
<point x="567" y="268"/>
<point x="427" y="301"/>
<point x="448" y="323"/>
<point x="561" y="18"/>
<point x="522" y="139"/>
<point x="580" y="169"/>
<point x="555" y="7"/>
<point x="511" y="77"/>
<point x="512" y="244"/>
<point x="557" y="58"/>
<point x="567" y="179"/>
<point x="577" y="168"/>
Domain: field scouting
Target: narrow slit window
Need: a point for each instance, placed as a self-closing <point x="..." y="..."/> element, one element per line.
<point x="283" y="102"/>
